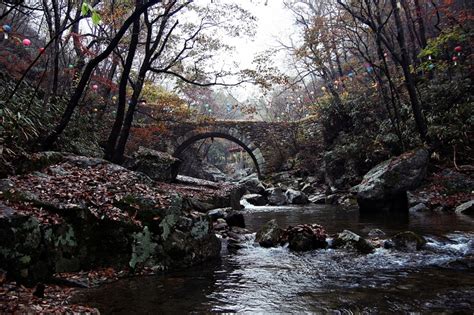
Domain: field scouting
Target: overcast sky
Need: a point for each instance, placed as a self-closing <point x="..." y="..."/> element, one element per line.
<point x="274" y="23"/>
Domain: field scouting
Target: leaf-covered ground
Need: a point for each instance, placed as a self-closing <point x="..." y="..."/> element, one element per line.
<point x="97" y="187"/>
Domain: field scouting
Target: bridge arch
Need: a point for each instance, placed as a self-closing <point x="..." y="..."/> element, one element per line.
<point x="254" y="152"/>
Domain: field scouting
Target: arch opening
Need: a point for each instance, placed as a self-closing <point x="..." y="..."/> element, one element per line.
<point x="190" y="141"/>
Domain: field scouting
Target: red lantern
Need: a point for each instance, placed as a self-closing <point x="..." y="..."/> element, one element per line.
<point x="26" y="42"/>
<point x="41" y="50"/>
<point x="95" y="87"/>
<point x="454" y="58"/>
<point x="458" y="49"/>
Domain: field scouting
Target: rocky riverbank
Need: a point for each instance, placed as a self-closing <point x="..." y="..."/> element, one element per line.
<point x="70" y="213"/>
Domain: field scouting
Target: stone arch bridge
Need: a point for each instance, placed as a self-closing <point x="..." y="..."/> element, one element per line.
<point x="269" y="144"/>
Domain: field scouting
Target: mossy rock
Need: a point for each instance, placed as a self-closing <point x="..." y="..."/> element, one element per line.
<point x="408" y="240"/>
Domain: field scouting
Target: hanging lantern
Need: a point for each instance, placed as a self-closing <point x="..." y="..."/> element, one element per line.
<point x="431" y="66"/>
<point x="458" y="49"/>
<point x="26" y="42"/>
<point x="323" y="88"/>
<point x="95" y="87"/>
<point x="41" y="50"/>
<point x="114" y="98"/>
<point x="7" y="28"/>
<point x="70" y="66"/>
<point x="455" y="59"/>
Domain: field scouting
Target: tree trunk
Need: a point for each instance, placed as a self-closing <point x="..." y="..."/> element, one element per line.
<point x="409" y="80"/>
<point x="81" y="86"/>
<point x="122" y="97"/>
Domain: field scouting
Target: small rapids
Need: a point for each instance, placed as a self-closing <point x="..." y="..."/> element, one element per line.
<point x="439" y="278"/>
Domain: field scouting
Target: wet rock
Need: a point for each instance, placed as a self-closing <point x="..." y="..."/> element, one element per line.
<point x="349" y="239"/>
<point x="235" y="219"/>
<point x="276" y="197"/>
<point x="252" y="184"/>
<point x="219" y="226"/>
<point x="215" y="214"/>
<point x="385" y="186"/>
<point x="307" y="189"/>
<point x="418" y="208"/>
<point x="156" y="165"/>
<point x="269" y="234"/>
<point x="255" y="199"/>
<point x="376" y="233"/>
<point x="408" y="241"/>
<point x="198" y="205"/>
<point x="296" y="197"/>
<point x="305" y="237"/>
<point x="318" y="198"/>
<point x="466" y="208"/>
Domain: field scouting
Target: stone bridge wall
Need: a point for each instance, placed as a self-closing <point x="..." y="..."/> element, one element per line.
<point x="270" y="144"/>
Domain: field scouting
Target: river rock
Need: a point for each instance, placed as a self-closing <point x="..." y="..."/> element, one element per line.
<point x="252" y="184"/>
<point x="466" y="208"/>
<point x="215" y="214"/>
<point x="418" y="208"/>
<point x="305" y="237"/>
<point x="255" y="199"/>
<point x="269" y="234"/>
<point x="349" y="239"/>
<point x="385" y="186"/>
<point x="235" y="219"/>
<point x="157" y="165"/>
<point x="296" y="197"/>
<point x="276" y="197"/>
<point x="318" y="198"/>
<point x="307" y="189"/>
<point x="408" y="241"/>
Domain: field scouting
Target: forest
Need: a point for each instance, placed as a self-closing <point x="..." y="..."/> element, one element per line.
<point x="89" y="85"/>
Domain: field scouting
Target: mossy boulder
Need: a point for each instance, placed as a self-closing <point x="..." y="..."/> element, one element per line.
<point x="385" y="186"/>
<point x="269" y="234"/>
<point x="408" y="240"/>
<point x="350" y="240"/>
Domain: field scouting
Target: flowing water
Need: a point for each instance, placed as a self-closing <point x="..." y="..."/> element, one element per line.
<point x="439" y="278"/>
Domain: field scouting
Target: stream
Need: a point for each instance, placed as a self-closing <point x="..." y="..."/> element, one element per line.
<point x="439" y="278"/>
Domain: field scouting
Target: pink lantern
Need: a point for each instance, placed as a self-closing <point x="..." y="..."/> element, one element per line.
<point x="26" y="42"/>
<point x="458" y="49"/>
<point x="95" y="87"/>
<point x="41" y="50"/>
<point x="455" y="58"/>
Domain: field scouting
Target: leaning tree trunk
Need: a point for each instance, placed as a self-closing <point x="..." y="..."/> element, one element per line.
<point x="89" y="69"/>
<point x="122" y="97"/>
<point x="409" y="80"/>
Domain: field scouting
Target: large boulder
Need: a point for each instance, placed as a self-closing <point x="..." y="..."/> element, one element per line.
<point x="276" y="197"/>
<point x="157" y="165"/>
<point x="408" y="240"/>
<point x="252" y="184"/>
<point x="466" y="208"/>
<point x="349" y="239"/>
<point x="255" y="199"/>
<point x="296" y="197"/>
<point x="269" y="234"/>
<point x="235" y="219"/>
<point x="385" y="186"/>
<point x="306" y="237"/>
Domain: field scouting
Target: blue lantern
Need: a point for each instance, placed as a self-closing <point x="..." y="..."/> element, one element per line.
<point x="7" y="28"/>
<point x="431" y="66"/>
<point x="351" y="74"/>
